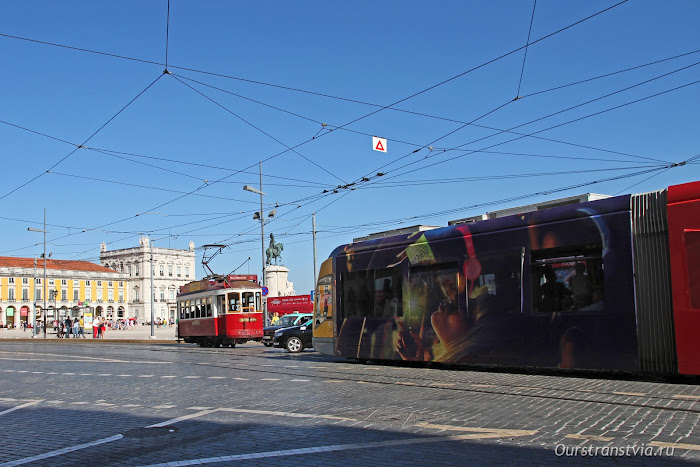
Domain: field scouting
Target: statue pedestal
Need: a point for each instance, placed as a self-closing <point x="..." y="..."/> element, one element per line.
<point x="276" y="281"/>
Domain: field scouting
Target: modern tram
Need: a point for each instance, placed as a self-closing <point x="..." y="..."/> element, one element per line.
<point x="589" y="282"/>
<point x="220" y="311"/>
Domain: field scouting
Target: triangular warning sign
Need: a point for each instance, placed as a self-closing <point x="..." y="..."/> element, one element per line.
<point x="379" y="144"/>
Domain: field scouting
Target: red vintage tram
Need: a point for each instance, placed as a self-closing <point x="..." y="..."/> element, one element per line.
<point x="220" y="310"/>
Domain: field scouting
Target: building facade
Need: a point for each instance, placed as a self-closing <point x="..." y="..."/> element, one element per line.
<point x="72" y="288"/>
<point x="170" y="269"/>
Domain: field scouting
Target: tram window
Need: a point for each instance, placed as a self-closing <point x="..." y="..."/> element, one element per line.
<point x="249" y="301"/>
<point x="567" y="280"/>
<point x="432" y="288"/>
<point x="500" y="277"/>
<point x="692" y="256"/>
<point x="374" y="293"/>
<point x="198" y="309"/>
<point x="258" y="301"/>
<point x="233" y="302"/>
<point x="208" y="307"/>
<point x="220" y="304"/>
<point x="187" y="309"/>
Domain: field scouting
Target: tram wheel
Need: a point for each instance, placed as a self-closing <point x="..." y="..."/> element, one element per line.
<point x="294" y="345"/>
<point x="233" y="344"/>
<point x="217" y="344"/>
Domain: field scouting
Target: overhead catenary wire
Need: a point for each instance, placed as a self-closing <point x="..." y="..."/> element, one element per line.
<point x="522" y="69"/>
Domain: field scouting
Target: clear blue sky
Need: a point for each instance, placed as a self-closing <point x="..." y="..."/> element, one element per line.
<point x="374" y="52"/>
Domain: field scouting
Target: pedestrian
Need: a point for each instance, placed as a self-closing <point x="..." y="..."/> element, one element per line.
<point x="68" y="326"/>
<point x="100" y="329"/>
<point x="81" y="327"/>
<point x="76" y="328"/>
<point x="95" y="326"/>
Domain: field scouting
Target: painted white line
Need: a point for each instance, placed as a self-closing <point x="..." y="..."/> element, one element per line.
<point x="105" y="374"/>
<point x="124" y="375"/>
<point x="58" y="452"/>
<point x="51" y="373"/>
<point x="37" y="372"/>
<point x="241" y="379"/>
<point x="217" y="377"/>
<point x="164" y="406"/>
<point x="179" y="419"/>
<point x="169" y="376"/>
<point x="269" y="379"/>
<point x="146" y="376"/>
<point x="132" y="405"/>
<point x="285" y="414"/>
<point x="301" y="380"/>
<point x="317" y="449"/>
<point x="199" y="408"/>
<point x="85" y="374"/>
<point x="19" y="407"/>
<point x="79" y="403"/>
<point x="68" y="373"/>
<point x="192" y="377"/>
<point x="27" y="371"/>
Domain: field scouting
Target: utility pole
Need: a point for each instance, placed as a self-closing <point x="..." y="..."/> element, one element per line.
<point x="313" y="223"/>
<point x="31" y="229"/>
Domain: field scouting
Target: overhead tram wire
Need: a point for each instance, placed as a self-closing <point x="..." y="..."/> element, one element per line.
<point x="258" y="129"/>
<point x="84" y="142"/>
<point x="381" y="107"/>
<point x="547" y="129"/>
<point x="534" y="120"/>
<point x="522" y="69"/>
<point x="151" y="62"/>
<point x="555" y="126"/>
<point x="360" y="118"/>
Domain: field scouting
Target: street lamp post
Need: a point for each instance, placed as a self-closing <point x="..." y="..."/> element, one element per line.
<point x="262" y="232"/>
<point x="153" y="270"/>
<point x="43" y="285"/>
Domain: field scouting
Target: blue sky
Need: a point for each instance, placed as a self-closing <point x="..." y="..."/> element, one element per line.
<point x="187" y="143"/>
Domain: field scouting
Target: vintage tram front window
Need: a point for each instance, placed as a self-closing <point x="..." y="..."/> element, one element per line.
<point x="249" y="301"/>
<point x="258" y="301"/>
<point x="233" y="302"/>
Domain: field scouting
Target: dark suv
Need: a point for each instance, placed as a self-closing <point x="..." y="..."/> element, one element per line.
<point x="296" y="338"/>
<point x="292" y="319"/>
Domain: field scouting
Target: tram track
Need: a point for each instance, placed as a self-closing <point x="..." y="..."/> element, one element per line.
<point x="634" y="399"/>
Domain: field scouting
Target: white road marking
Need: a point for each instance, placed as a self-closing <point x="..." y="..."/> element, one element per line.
<point x="241" y="379"/>
<point x="37" y="372"/>
<point x="192" y="377"/>
<point x="301" y="380"/>
<point x="217" y="377"/>
<point x="26" y="371"/>
<point x="105" y="374"/>
<point x="124" y="375"/>
<point x="146" y="376"/>
<point x="19" y="407"/>
<point x="85" y="374"/>
<point x="169" y="376"/>
<point x="269" y="379"/>
<point x="590" y="437"/>
<point x="179" y="419"/>
<point x="164" y="406"/>
<point x="199" y="408"/>
<point x="331" y="448"/>
<point x="79" y="403"/>
<point x="58" y="452"/>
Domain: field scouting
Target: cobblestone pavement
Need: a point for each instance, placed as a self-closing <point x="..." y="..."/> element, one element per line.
<point x="138" y="333"/>
<point x="63" y="402"/>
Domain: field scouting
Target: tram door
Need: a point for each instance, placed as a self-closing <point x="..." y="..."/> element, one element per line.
<point x="684" y="244"/>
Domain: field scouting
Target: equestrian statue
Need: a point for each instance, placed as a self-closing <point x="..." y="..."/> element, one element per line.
<point x="274" y="251"/>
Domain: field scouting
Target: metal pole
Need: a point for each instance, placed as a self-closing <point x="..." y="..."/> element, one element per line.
<point x="43" y="285"/>
<point x="150" y="242"/>
<point x="262" y="242"/>
<point x="313" y="219"/>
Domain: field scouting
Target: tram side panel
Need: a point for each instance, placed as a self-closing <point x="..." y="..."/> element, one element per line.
<point x="684" y="245"/>
<point x="476" y="293"/>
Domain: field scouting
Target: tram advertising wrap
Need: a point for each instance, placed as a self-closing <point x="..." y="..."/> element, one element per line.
<point x="585" y="286"/>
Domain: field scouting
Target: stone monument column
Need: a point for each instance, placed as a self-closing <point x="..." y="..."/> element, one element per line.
<point x="276" y="281"/>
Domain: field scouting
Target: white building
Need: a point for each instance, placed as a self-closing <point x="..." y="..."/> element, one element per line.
<point x="171" y="269"/>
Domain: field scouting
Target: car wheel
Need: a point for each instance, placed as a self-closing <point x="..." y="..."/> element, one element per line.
<point x="294" y="345"/>
<point x="267" y="344"/>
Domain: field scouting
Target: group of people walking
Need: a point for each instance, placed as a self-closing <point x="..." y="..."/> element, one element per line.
<point x="76" y="327"/>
